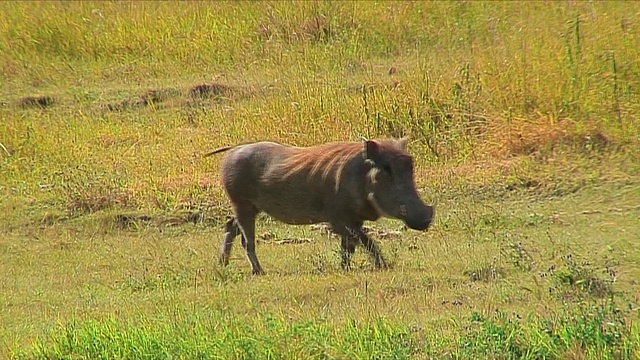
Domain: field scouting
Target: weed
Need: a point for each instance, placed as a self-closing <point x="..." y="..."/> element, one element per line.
<point x="226" y="275"/>
<point x="574" y="275"/>
<point x="485" y="273"/>
<point x="149" y="281"/>
<point x="319" y="263"/>
<point x="87" y="191"/>
<point x="518" y="256"/>
<point x="591" y="331"/>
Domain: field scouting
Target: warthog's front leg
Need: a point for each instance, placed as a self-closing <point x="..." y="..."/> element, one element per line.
<point x="371" y="246"/>
<point x="348" y="243"/>
<point x="347" y="248"/>
<point x="350" y="236"/>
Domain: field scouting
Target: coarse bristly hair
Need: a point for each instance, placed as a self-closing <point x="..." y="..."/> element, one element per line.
<point x="328" y="160"/>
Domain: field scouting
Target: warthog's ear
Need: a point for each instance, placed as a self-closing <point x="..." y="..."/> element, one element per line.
<point x="403" y="142"/>
<point x="370" y="150"/>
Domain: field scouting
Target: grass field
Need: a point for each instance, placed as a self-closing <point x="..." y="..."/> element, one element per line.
<point x="524" y="123"/>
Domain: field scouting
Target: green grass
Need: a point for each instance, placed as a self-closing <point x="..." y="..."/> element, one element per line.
<point x="599" y="330"/>
<point x="523" y="120"/>
<point x="222" y="336"/>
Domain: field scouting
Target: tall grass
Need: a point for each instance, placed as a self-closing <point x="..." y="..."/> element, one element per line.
<point x="511" y="61"/>
<point x="468" y="81"/>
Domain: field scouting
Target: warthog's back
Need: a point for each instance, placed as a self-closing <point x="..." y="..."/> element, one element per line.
<point x="293" y="184"/>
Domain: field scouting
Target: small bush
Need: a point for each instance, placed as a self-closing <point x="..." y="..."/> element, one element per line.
<point x="593" y="331"/>
<point x="579" y="278"/>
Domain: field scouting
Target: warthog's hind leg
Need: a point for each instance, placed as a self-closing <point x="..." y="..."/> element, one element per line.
<point x="246" y="220"/>
<point x="231" y="230"/>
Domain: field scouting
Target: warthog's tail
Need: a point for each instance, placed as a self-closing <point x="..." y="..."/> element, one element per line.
<point x="222" y="149"/>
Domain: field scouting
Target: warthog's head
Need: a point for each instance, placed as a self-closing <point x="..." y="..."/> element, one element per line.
<point x="390" y="184"/>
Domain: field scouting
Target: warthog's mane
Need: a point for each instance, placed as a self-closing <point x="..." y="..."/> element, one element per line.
<point x="326" y="160"/>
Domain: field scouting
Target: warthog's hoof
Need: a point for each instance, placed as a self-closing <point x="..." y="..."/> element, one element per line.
<point x="258" y="272"/>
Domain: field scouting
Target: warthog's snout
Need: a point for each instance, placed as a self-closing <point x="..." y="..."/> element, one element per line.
<point x="421" y="220"/>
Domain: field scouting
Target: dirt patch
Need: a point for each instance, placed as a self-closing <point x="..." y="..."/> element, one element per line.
<point x="40" y="102"/>
<point x="129" y="221"/>
<point x="381" y="233"/>
<point x="196" y="96"/>
<point x="95" y="199"/>
<point x="522" y="183"/>
<point x="210" y="90"/>
<point x="132" y="221"/>
<point x="150" y="97"/>
<point x="189" y="217"/>
<point x="201" y="95"/>
<point x="50" y="219"/>
<point x="159" y="95"/>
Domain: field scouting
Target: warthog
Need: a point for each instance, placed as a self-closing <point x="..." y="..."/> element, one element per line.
<point x="341" y="183"/>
